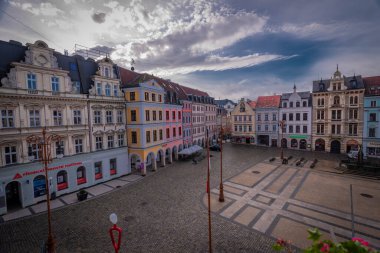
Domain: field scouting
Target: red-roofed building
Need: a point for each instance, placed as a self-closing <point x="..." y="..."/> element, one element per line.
<point x="243" y="122"/>
<point x="267" y="114"/>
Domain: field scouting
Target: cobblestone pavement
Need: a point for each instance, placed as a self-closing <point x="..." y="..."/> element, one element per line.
<point x="164" y="212"/>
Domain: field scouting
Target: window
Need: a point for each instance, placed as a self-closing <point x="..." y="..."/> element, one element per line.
<point x="298" y="104"/>
<point x="274" y="128"/>
<point x="147" y="136"/>
<point x="97" y="117"/>
<point x="99" y="142"/>
<point x="321" y="101"/>
<point x="62" y="180"/>
<point x="372" y="117"/>
<point x="109" y="118"/>
<point x="99" y="89"/>
<point x="167" y="115"/>
<point x="133" y="115"/>
<point x="250" y="128"/>
<point x="146" y="96"/>
<point x="106" y="72"/>
<point x="119" y="117"/>
<point x="34" y="152"/>
<point x="115" y="91"/>
<point x="81" y="175"/>
<point x="154" y="115"/>
<point x="284" y="105"/>
<point x="132" y="96"/>
<point x="134" y="137"/>
<point x="120" y="140"/>
<point x="108" y="90"/>
<point x="10" y="155"/>
<point x="320" y="114"/>
<point x="290" y="116"/>
<point x="73" y="66"/>
<point x="167" y="133"/>
<point x="353" y="114"/>
<point x="336" y="114"/>
<point x="258" y="117"/>
<point x="154" y="135"/>
<point x="98" y="170"/>
<point x="160" y="133"/>
<point x="110" y="141"/>
<point x="34" y="117"/>
<point x="336" y="100"/>
<point x="304" y="117"/>
<point x="77" y="117"/>
<point x="373" y="103"/>
<point x="179" y="115"/>
<point x="57" y="118"/>
<point x="291" y="104"/>
<point x="298" y="116"/>
<point x="274" y="117"/>
<point x="153" y="97"/>
<point x="113" y="165"/>
<point x="55" y="84"/>
<point x="173" y="115"/>
<point x="372" y="132"/>
<point x="290" y="129"/>
<point x="39" y="186"/>
<point x="180" y="131"/>
<point x="240" y="128"/>
<point x="304" y="130"/>
<point x="147" y="115"/>
<point x="76" y="86"/>
<point x="298" y="129"/>
<point x="159" y="115"/>
<point x="32" y="83"/>
<point x="266" y="127"/>
<point x="320" y="129"/>
<point x="78" y="143"/>
<point x="59" y="148"/>
<point x="7" y="119"/>
<point x="284" y="116"/>
<point x="353" y="129"/>
<point x="174" y="132"/>
<point x="304" y="104"/>
<point x="258" y="127"/>
<point x="159" y="98"/>
<point x="266" y="117"/>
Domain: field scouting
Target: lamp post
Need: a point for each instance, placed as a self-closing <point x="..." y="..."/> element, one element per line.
<point x="221" y="194"/>
<point x="44" y="142"/>
<point x="282" y="125"/>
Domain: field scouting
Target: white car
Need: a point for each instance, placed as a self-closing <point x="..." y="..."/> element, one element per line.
<point x="353" y="154"/>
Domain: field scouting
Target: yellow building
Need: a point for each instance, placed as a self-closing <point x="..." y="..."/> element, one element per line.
<point x="243" y="122"/>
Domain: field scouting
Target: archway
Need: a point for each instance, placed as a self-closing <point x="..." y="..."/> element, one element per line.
<point x="39" y="186"/>
<point x="352" y="145"/>
<point x="284" y="143"/>
<point x="175" y="153"/>
<point x="180" y="147"/>
<point x="13" y="196"/>
<point x="294" y="143"/>
<point x="335" y="147"/>
<point x="135" y="162"/>
<point x="199" y="142"/>
<point x="203" y="142"/>
<point x="303" y="144"/>
<point x="160" y="158"/>
<point x="150" y="161"/>
<point x="168" y="155"/>
<point x="319" y="145"/>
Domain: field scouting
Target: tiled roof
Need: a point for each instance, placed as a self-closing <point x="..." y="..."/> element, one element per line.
<point x="127" y="76"/>
<point x="347" y="79"/>
<point x="191" y="91"/>
<point x="268" y="101"/>
<point x="252" y="104"/>
<point x="372" y="85"/>
<point x="224" y="102"/>
<point x="302" y="94"/>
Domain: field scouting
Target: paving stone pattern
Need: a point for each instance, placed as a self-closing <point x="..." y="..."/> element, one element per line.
<point x="163" y="212"/>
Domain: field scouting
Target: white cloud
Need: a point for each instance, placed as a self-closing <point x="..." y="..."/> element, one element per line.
<point x="44" y="9"/>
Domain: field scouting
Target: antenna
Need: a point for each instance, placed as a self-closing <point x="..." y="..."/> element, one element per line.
<point x="132" y="64"/>
<point x="87" y="52"/>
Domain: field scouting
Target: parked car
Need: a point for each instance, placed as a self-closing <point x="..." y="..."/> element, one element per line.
<point x="215" y="147"/>
<point x="353" y="154"/>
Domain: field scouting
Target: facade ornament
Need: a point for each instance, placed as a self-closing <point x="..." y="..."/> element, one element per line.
<point x="10" y="80"/>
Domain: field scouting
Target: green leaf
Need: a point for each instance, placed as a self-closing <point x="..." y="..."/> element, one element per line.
<point x="277" y="247"/>
<point x="314" y="234"/>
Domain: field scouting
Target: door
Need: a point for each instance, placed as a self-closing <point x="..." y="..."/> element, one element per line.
<point x="335" y="147"/>
<point x="274" y="142"/>
<point x="13" y="195"/>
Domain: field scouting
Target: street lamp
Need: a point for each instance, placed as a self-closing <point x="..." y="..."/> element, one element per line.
<point x="282" y="126"/>
<point x="44" y="142"/>
<point x="221" y="194"/>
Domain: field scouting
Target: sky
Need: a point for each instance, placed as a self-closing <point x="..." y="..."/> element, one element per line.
<point x="228" y="48"/>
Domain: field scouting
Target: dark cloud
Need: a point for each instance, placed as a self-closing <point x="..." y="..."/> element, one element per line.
<point x="99" y="17"/>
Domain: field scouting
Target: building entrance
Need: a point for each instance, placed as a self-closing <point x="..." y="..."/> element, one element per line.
<point x="13" y="195"/>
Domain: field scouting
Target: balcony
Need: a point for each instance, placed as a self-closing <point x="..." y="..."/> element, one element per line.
<point x="31" y="91"/>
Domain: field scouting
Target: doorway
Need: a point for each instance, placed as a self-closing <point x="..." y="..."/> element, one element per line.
<point x="335" y="147"/>
<point x="13" y="195"/>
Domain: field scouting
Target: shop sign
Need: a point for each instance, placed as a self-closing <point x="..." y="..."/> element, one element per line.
<point x="39" y="186"/>
<point x="27" y="173"/>
<point x="373" y="144"/>
<point x="298" y="136"/>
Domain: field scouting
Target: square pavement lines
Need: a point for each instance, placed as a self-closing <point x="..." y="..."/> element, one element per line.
<point x="131" y="178"/>
<point x="99" y="189"/>
<point x="42" y="207"/>
<point x="17" y="214"/>
<point x="263" y="199"/>
<point x="116" y="182"/>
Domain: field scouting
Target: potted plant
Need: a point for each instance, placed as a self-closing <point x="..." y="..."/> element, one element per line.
<point x="82" y="195"/>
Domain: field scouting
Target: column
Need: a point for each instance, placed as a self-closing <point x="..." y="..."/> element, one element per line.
<point x="170" y="157"/>
<point x="154" y="164"/>
<point x="163" y="162"/>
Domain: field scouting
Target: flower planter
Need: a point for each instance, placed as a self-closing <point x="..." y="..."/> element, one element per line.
<point x="82" y="195"/>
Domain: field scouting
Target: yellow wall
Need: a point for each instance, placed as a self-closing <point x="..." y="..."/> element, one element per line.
<point x="127" y="95"/>
<point x="128" y="116"/>
<point x="129" y="133"/>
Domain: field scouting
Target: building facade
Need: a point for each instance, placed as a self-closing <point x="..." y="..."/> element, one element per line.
<point x="337" y="113"/>
<point x="243" y="122"/>
<point x="267" y="119"/>
<point x="371" y="128"/>
<point x="42" y="89"/>
<point x="227" y="104"/>
<point x="296" y="114"/>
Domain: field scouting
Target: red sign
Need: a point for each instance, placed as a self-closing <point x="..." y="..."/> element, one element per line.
<point x="17" y="176"/>
<point x="27" y="173"/>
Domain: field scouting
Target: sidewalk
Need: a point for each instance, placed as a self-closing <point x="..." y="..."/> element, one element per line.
<point x="71" y="198"/>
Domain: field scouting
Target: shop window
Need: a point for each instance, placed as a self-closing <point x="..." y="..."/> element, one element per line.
<point x="39" y="186"/>
<point x="98" y="170"/>
<point x="62" y="180"/>
<point x="113" y="169"/>
<point x="81" y="175"/>
<point x="10" y="155"/>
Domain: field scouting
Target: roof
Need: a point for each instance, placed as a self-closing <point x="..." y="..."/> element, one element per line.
<point x="347" y="80"/>
<point x="11" y="51"/>
<point x="302" y="94"/>
<point x="268" y="101"/>
<point x="195" y="92"/>
<point x="252" y="104"/>
<point x="223" y="102"/>
<point x="372" y="85"/>
<point x="127" y="76"/>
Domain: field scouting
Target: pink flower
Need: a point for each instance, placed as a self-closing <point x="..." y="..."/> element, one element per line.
<point x="281" y="242"/>
<point x="362" y="242"/>
<point x="325" y="248"/>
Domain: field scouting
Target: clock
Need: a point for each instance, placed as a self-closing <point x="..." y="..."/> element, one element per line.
<point x="41" y="60"/>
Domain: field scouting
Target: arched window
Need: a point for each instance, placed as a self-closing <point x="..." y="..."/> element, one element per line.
<point x="351" y="100"/>
<point x="108" y="90"/>
<point x="98" y="170"/>
<point x="304" y="103"/>
<point x="62" y="180"/>
<point x="322" y="101"/>
<point x="336" y="100"/>
<point x="319" y="101"/>
<point x="81" y="175"/>
<point x="98" y="89"/>
<point x="356" y="100"/>
<point x="298" y="104"/>
<point x="39" y="186"/>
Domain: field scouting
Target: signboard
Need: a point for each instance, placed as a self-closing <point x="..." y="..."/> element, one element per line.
<point x="298" y="136"/>
<point x="33" y="172"/>
<point x="39" y="186"/>
<point x="373" y="144"/>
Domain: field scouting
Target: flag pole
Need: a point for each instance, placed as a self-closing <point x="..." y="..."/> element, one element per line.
<point x="208" y="194"/>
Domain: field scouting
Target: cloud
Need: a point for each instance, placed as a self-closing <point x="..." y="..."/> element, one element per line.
<point x="44" y="9"/>
<point x="99" y="17"/>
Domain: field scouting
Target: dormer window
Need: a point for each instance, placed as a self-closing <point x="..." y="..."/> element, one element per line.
<point x="55" y="84"/>
<point x="99" y="89"/>
<point x="298" y="104"/>
<point x="106" y="72"/>
<point x="304" y="104"/>
<point x="115" y="91"/>
<point x="108" y="90"/>
<point x="284" y="105"/>
<point x="32" y="83"/>
<point x="321" y="86"/>
<point x="76" y="87"/>
<point x="291" y="104"/>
